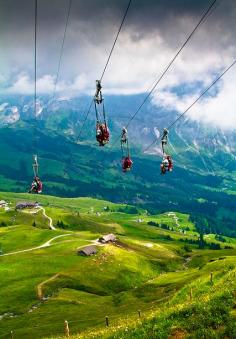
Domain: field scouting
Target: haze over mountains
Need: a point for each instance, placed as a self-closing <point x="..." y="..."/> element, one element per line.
<point x="66" y="115"/>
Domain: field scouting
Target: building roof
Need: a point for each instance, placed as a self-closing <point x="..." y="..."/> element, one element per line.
<point x="88" y="250"/>
<point x="22" y="204"/>
<point x="107" y="238"/>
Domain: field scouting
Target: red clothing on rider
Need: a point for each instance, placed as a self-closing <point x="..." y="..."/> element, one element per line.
<point x="36" y="186"/>
<point x="102" y="134"/>
<point x="170" y="163"/>
<point x="39" y="186"/>
<point x="127" y="164"/>
<point x="167" y="164"/>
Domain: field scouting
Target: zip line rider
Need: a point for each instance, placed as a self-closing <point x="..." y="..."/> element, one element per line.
<point x="102" y="131"/>
<point x="124" y="143"/>
<point x="36" y="186"/>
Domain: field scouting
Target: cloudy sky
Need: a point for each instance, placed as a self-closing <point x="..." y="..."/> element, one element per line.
<point x="152" y="33"/>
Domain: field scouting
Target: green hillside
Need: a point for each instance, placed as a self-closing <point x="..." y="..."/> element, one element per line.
<point x="153" y="264"/>
<point x="203" y="309"/>
<point x="71" y="170"/>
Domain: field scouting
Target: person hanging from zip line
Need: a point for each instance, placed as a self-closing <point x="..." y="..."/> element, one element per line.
<point x="102" y="131"/>
<point x="167" y="164"/>
<point x="36" y="186"/>
<point x="126" y="160"/>
<point x="102" y="134"/>
<point x="170" y="163"/>
<point x="126" y="164"/>
<point x="164" y="165"/>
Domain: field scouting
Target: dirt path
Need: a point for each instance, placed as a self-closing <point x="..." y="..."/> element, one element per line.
<point x="40" y="286"/>
<point x="47" y="217"/>
<point x="46" y="244"/>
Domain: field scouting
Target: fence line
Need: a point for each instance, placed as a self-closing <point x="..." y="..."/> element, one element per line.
<point x="106" y="321"/>
<point x="113" y="320"/>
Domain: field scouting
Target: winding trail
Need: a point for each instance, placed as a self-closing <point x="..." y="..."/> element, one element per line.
<point x="47" y="217"/>
<point x="49" y="243"/>
<point x="40" y="286"/>
<point x="46" y="244"/>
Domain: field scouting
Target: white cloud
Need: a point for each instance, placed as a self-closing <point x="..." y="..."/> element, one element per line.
<point x="25" y="85"/>
<point x="221" y="109"/>
<point x="46" y="84"/>
<point x="137" y="61"/>
<point x="218" y="109"/>
<point x="22" y="85"/>
<point x="80" y="84"/>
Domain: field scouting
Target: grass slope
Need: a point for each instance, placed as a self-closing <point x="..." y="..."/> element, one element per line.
<point x="209" y="313"/>
<point x="149" y="268"/>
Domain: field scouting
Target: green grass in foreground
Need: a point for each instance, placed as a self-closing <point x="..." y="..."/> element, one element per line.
<point x="210" y="313"/>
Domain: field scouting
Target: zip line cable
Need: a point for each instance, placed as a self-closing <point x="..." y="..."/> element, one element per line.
<point x="35" y="77"/>
<point x="35" y="55"/>
<point x="85" y="119"/>
<point x="107" y="62"/>
<point x="195" y="101"/>
<point x="204" y="92"/>
<point x="35" y="161"/>
<point x="62" y="48"/>
<point x="208" y="11"/>
<point x="116" y="38"/>
<point x="195" y="148"/>
<point x="34" y="130"/>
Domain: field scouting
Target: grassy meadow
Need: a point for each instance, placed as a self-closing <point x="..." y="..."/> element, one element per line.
<point x="151" y="269"/>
